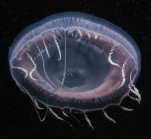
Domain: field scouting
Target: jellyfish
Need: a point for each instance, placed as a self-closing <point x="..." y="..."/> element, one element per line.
<point x="77" y="62"/>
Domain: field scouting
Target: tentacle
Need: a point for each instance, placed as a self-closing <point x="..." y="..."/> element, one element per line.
<point x="37" y="105"/>
<point x="33" y="100"/>
<point x="64" y="113"/>
<point x="89" y="122"/>
<point x="64" y="74"/>
<point x="74" y="116"/>
<point x="108" y="117"/>
<point x="136" y="99"/>
<point x="134" y="90"/>
<point x="57" y="46"/>
<point x="43" y="62"/>
<point x="35" y="66"/>
<point x="26" y="72"/>
<point x="110" y="60"/>
<point x="58" y="117"/>
<point x="123" y="74"/>
<point x="45" y="47"/>
<point x="126" y="109"/>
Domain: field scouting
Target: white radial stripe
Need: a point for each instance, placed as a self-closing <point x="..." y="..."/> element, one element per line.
<point x="31" y="72"/>
<point x="43" y="63"/>
<point x="46" y="48"/>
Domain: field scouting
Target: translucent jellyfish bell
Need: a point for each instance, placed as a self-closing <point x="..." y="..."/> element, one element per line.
<point x="75" y="61"/>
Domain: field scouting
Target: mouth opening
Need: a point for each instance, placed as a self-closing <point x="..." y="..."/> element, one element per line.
<point x="74" y="78"/>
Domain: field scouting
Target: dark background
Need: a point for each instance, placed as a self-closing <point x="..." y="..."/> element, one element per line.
<point x="18" y="119"/>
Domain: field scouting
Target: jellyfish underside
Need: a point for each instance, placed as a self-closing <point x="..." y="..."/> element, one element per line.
<point x="77" y="69"/>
